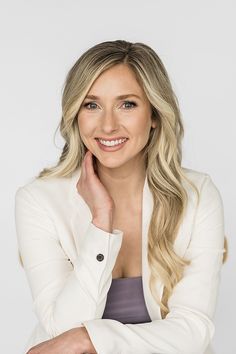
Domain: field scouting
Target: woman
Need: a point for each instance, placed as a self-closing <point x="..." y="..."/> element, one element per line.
<point x="121" y="245"/>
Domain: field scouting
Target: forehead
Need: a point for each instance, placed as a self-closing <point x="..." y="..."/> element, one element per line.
<point x="117" y="80"/>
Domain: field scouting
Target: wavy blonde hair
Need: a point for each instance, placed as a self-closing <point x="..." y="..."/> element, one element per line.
<point x="163" y="151"/>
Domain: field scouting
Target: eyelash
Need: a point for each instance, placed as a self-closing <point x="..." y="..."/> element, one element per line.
<point x="130" y="102"/>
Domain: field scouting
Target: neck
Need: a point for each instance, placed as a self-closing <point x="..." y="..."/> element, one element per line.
<point x="124" y="183"/>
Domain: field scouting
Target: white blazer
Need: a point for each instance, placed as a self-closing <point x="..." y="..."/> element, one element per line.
<point x="59" y="246"/>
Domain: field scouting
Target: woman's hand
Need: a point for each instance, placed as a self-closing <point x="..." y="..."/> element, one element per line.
<point x="73" y="341"/>
<point x="92" y="190"/>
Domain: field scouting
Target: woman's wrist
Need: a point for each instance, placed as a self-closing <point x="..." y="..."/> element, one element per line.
<point x="88" y="345"/>
<point x="103" y="220"/>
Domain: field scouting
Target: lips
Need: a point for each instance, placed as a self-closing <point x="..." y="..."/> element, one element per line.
<point x="110" y="139"/>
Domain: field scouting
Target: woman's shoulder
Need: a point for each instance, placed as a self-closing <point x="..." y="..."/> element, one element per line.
<point x="193" y="174"/>
<point x="50" y="188"/>
<point x="204" y="182"/>
<point x="196" y="176"/>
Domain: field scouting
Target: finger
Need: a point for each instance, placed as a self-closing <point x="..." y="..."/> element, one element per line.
<point x="83" y="169"/>
<point x="89" y="163"/>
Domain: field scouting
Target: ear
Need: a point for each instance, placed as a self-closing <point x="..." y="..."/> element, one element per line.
<point x="154" y="118"/>
<point x="154" y="122"/>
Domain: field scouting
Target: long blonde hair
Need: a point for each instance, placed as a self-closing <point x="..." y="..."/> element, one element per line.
<point x="163" y="153"/>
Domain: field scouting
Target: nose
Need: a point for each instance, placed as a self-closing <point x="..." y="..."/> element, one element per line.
<point x="109" y="121"/>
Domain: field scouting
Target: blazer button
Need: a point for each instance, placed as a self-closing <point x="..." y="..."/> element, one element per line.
<point x="100" y="257"/>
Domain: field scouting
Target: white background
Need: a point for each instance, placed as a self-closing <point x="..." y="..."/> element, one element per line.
<point x="41" y="40"/>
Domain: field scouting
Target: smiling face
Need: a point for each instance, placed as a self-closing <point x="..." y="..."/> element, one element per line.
<point x="105" y="115"/>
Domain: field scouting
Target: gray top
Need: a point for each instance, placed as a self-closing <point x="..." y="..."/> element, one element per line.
<point x="125" y="301"/>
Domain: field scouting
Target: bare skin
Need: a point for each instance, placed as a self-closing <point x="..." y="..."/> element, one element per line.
<point x="73" y="341"/>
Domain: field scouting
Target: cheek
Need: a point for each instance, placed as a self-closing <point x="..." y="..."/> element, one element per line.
<point x="85" y="127"/>
<point x="142" y="129"/>
<point x="142" y="132"/>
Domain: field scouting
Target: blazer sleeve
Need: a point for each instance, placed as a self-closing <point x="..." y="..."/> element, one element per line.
<point x="188" y="327"/>
<point x="63" y="294"/>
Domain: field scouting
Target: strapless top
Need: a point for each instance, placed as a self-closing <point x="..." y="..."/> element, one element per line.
<point x="125" y="301"/>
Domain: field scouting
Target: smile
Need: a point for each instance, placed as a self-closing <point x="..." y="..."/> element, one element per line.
<point x="112" y="142"/>
<point x="113" y="145"/>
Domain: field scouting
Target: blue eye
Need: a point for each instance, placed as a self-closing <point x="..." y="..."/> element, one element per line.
<point x="130" y="102"/>
<point x="87" y="104"/>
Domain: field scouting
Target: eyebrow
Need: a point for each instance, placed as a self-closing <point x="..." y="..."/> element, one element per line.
<point x="120" y="97"/>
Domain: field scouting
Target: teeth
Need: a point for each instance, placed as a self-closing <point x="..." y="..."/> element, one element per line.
<point x="112" y="142"/>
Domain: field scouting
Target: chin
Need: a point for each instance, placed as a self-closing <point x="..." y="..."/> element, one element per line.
<point x="111" y="162"/>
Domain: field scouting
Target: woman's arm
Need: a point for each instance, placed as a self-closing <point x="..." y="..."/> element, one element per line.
<point x="63" y="294"/>
<point x="188" y="328"/>
<point x="73" y="341"/>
